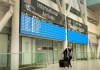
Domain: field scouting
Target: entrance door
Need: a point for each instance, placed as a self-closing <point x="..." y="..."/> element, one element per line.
<point x="74" y="51"/>
<point x="55" y="52"/>
<point x="26" y="50"/>
<point x="58" y="51"/>
<point x="33" y="51"/>
<point x="3" y="49"/>
<point x="50" y="52"/>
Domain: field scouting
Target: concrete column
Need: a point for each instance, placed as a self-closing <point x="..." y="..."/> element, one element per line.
<point x="85" y="11"/>
<point x="59" y="5"/>
<point x="69" y="7"/>
<point x="88" y="50"/>
<point x="15" y="37"/>
<point x="98" y="52"/>
<point x="64" y="12"/>
<point x="65" y="42"/>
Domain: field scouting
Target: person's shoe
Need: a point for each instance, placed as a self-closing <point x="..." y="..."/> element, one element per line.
<point x="70" y="66"/>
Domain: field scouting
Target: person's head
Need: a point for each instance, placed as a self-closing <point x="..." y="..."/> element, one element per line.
<point x="70" y="49"/>
<point x="69" y="45"/>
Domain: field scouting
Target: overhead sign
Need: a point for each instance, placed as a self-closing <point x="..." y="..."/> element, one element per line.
<point x="77" y="37"/>
<point x="31" y="25"/>
<point x="77" y="26"/>
<point x="43" y="10"/>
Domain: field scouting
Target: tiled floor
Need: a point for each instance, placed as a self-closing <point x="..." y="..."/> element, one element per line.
<point x="77" y="65"/>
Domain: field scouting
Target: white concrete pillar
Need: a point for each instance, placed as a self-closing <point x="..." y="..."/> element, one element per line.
<point x="98" y="52"/>
<point x="15" y="37"/>
<point x="65" y="42"/>
<point x="69" y="7"/>
<point x="64" y="12"/>
<point x="88" y="50"/>
<point x="59" y="5"/>
<point x="85" y="11"/>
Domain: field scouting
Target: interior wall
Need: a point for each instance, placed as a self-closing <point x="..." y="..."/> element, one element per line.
<point x="91" y="14"/>
<point x="92" y="27"/>
<point x="92" y="38"/>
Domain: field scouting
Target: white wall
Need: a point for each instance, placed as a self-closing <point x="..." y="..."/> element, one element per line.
<point x="92" y="38"/>
<point x="91" y="14"/>
<point x="93" y="28"/>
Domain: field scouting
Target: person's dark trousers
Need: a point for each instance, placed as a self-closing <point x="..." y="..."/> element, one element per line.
<point x="70" y="63"/>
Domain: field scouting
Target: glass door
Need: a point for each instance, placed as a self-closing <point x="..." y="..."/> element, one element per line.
<point x="60" y="50"/>
<point x="3" y="49"/>
<point x="55" y="51"/>
<point x="50" y="52"/>
<point x="33" y="50"/>
<point x="26" y="51"/>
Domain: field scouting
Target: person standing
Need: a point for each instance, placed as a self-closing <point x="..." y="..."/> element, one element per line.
<point x="65" y="54"/>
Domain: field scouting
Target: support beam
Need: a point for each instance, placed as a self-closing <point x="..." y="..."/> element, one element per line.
<point x="64" y="12"/>
<point x="78" y="1"/>
<point x="69" y="8"/>
<point x="59" y="6"/>
<point x="6" y="17"/>
<point x="15" y="37"/>
<point x="98" y="52"/>
<point x="85" y="11"/>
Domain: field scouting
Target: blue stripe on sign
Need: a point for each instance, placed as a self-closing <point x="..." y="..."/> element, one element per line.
<point x="34" y="26"/>
<point x="77" y="37"/>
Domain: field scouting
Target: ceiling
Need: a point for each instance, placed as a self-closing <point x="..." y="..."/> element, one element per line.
<point x="94" y="7"/>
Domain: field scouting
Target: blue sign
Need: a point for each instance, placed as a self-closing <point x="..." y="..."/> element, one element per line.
<point x="77" y="37"/>
<point x="34" y="26"/>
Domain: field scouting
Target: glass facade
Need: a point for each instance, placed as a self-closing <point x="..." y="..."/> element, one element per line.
<point x="51" y="48"/>
<point x="40" y="51"/>
<point x="79" y="51"/>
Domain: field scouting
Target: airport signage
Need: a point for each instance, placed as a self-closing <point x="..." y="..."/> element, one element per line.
<point x="31" y="25"/>
<point x="77" y="26"/>
<point x="42" y="10"/>
<point x="77" y="37"/>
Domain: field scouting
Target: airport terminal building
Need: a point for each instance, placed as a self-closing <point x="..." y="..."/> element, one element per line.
<point x="34" y="33"/>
